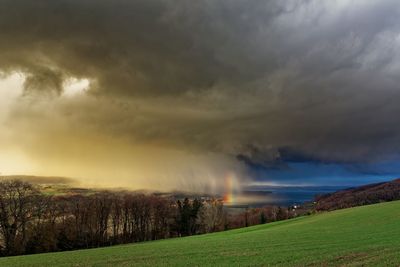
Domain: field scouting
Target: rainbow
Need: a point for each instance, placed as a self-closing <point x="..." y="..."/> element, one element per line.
<point x="229" y="196"/>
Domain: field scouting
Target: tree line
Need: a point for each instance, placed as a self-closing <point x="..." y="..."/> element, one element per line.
<point x="33" y="222"/>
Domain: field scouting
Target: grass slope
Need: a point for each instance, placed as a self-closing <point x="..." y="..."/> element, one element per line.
<point x="368" y="235"/>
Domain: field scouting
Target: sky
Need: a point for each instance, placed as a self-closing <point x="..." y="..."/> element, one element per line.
<point x="166" y="95"/>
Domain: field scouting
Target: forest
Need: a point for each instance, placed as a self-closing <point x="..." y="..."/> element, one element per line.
<point x="34" y="222"/>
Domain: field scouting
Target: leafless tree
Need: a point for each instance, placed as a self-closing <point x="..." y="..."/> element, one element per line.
<point x="18" y="207"/>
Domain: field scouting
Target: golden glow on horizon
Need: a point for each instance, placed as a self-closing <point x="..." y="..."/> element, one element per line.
<point x="65" y="136"/>
<point x="12" y="158"/>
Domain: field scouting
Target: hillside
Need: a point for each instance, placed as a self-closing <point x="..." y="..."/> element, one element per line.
<point x="358" y="196"/>
<point x="363" y="235"/>
<point x="40" y="180"/>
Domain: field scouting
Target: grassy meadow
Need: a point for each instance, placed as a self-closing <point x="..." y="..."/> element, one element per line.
<point x="368" y="235"/>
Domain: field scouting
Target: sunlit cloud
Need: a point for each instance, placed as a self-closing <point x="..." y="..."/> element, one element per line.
<point x="74" y="86"/>
<point x="166" y="95"/>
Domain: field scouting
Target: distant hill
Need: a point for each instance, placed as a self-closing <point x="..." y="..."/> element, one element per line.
<point x="56" y="185"/>
<point x="40" y="179"/>
<point x="358" y="196"/>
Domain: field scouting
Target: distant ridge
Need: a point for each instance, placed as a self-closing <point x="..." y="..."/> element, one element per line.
<point x="358" y="196"/>
<point x="40" y="179"/>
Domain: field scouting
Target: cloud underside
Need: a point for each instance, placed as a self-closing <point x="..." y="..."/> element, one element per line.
<point x="256" y="82"/>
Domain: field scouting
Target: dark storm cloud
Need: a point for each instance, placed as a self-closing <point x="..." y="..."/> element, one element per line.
<point x="266" y="81"/>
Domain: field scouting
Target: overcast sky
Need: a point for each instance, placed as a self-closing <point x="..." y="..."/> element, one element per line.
<point x="180" y="94"/>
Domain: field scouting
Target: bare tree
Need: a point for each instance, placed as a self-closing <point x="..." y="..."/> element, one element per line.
<point x="18" y="204"/>
<point x="211" y="217"/>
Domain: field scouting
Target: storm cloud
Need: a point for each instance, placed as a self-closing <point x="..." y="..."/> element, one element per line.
<point x="252" y="83"/>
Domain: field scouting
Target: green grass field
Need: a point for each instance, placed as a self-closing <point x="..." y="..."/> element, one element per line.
<point x="363" y="236"/>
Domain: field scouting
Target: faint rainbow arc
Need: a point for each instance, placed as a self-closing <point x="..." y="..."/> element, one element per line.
<point x="229" y="196"/>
